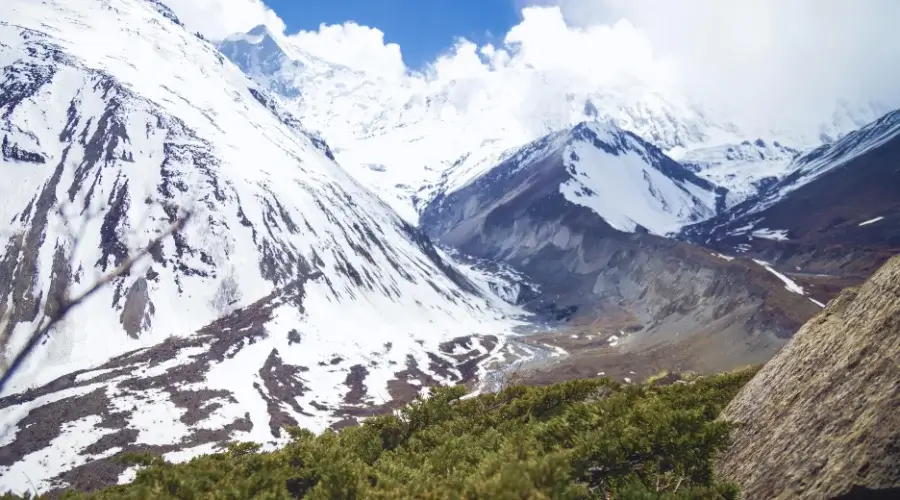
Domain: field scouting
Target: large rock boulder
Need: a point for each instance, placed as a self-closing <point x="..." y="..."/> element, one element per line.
<point x="822" y="419"/>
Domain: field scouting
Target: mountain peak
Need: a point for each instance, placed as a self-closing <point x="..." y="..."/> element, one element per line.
<point x="259" y="34"/>
<point x="260" y="30"/>
<point x="263" y="55"/>
<point x="599" y="127"/>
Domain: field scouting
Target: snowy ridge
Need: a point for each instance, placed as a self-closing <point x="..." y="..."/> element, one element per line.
<point x="631" y="183"/>
<point x="467" y="169"/>
<point x="744" y="169"/>
<point x="813" y="164"/>
<point x="310" y="294"/>
<point x="809" y="166"/>
<point x="401" y="137"/>
<point x="803" y="170"/>
<point x="622" y="178"/>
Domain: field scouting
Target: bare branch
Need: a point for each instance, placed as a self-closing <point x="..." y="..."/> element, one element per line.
<point x="66" y="306"/>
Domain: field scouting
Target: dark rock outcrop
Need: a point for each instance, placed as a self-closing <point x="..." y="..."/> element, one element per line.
<point x="822" y="418"/>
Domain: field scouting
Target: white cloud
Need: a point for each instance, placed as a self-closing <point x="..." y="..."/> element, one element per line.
<point x="777" y="57"/>
<point x="216" y="19"/>
<point x="765" y="61"/>
<point x="349" y="44"/>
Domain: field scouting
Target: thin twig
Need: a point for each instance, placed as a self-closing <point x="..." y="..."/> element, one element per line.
<point x="67" y="306"/>
<point x="33" y="487"/>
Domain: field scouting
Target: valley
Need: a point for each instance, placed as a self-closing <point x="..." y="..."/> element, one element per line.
<point x="354" y="242"/>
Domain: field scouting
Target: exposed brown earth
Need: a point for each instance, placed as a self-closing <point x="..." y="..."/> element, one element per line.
<point x="719" y="324"/>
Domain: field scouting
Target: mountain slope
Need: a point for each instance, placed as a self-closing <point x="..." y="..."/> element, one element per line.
<point x="314" y="301"/>
<point x="835" y="213"/>
<point x="820" y="419"/>
<point x="631" y="184"/>
<point x="601" y="276"/>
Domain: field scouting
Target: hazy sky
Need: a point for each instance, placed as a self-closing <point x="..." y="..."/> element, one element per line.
<point x="763" y="59"/>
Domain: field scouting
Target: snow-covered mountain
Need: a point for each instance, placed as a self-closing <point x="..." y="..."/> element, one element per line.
<point x="625" y="180"/>
<point x="399" y="135"/>
<point x="584" y="214"/>
<point x="311" y="298"/>
<point x="744" y="169"/>
<point x="827" y="208"/>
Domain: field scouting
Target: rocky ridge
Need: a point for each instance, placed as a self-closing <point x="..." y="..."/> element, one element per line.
<point x="835" y="214"/>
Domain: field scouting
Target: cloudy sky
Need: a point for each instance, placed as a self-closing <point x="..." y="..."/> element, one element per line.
<point x="772" y="58"/>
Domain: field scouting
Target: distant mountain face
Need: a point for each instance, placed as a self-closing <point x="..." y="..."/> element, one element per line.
<point x="629" y="183"/>
<point x="294" y="295"/>
<point x="400" y="135"/>
<point x="744" y="169"/>
<point x="583" y="213"/>
<point x="837" y="206"/>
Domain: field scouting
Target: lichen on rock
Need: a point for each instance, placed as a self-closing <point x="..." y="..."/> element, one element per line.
<point x="822" y="418"/>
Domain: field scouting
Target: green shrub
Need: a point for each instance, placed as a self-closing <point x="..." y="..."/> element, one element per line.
<point x="573" y="440"/>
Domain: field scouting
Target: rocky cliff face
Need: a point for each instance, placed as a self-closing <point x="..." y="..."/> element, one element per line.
<point x="822" y="418"/>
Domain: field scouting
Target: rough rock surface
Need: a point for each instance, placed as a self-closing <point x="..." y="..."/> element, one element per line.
<point x="822" y="418"/>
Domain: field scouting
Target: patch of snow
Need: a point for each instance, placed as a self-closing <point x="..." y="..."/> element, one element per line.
<point x="63" y="454"/>
<point x="743" y="229"/>
<point x="771" y="234"/>
<point x="557" y="351"/>
<point x="92" y="374"/>
<point x="626" y="190"/>
<point x="789" y="284"/>
<point x="871" y="221"/>
<point x="128" y="475"/>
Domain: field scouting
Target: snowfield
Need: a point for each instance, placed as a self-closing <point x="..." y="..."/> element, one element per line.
<point x="299" y="279"/>
<point x="622" y="184"/>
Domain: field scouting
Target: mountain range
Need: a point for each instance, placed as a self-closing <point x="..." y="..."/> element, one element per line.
<point x="352" y="241"/>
